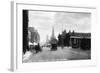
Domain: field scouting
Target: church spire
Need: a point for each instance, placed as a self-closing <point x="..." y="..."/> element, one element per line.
<point x="53" y="38"/>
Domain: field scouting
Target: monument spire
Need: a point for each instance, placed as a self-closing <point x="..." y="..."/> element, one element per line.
<point x="53" y="32"/>
<point x="53" y="35"/>
<point x="53" y="40"/>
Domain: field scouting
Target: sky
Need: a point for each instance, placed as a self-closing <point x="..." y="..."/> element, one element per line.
<point x="43" y="21"/>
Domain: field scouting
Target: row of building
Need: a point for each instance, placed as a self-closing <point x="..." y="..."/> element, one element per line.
<point x="72" y="39"/>
<point x="75" y="40"/>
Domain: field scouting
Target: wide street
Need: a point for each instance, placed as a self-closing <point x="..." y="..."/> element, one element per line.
<point x="66" y="53"/>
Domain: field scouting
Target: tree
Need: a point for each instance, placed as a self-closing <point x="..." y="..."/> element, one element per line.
<point x="59" y="40"/>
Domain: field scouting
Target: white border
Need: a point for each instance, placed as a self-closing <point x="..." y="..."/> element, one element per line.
<point x="17" y="34"/>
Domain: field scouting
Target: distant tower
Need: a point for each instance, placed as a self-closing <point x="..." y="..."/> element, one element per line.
<point x="53" y="38"/>
<point x="53" y="35"/>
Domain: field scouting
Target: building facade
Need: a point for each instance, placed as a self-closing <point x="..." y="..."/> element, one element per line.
<point x="75" y="40"/>
<point x="81" y="40"/>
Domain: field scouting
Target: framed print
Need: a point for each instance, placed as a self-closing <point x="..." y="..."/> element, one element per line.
<point x="52" y="36"/>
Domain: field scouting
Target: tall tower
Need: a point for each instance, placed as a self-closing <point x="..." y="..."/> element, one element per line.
<point x="53" y="38"/>
<point x="53" y="35"/>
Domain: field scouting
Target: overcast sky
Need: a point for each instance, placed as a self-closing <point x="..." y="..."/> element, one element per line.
<point x="44" y="21"/>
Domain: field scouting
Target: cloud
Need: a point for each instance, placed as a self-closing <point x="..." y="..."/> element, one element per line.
<point x="43" y="22"/>
<point x="74" y="21"/>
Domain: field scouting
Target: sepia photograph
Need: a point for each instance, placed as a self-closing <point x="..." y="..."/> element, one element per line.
<point x="56" y="36"/>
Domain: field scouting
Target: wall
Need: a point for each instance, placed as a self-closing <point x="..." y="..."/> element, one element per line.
<point x="5" y="34"/>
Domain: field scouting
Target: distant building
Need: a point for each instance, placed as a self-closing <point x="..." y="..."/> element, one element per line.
<point x="47" y="43"/>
